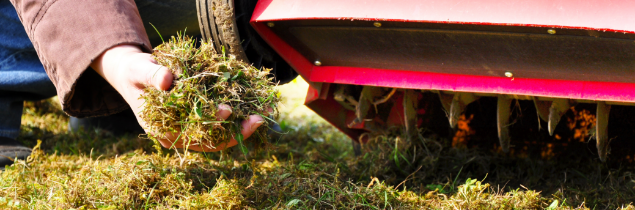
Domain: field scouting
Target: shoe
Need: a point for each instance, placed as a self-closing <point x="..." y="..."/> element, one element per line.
<point x="118" y="124"/>
<point x="274" y="129"/>
<point x="11" y="150"/>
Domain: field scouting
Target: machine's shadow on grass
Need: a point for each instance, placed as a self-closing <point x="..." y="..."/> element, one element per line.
<point x="310" y="166"/>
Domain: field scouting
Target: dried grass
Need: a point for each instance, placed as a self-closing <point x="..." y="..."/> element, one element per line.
<point x="203" y="80"/>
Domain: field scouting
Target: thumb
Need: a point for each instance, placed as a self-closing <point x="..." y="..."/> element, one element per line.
<point x="161" y="78"/>
<point x="155" y="75"/>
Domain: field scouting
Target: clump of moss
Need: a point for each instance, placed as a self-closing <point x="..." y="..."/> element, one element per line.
<point x="203" y="80"/>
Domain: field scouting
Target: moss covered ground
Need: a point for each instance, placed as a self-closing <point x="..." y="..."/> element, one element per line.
<point x="311" y="166"/>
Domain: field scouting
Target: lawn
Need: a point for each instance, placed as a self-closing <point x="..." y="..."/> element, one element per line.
<point x="309" y="166"/>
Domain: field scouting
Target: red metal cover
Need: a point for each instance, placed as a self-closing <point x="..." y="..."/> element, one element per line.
<point x="612" y="15"/>
<point x="611" y="20"/>
<point x="590" y="15"/>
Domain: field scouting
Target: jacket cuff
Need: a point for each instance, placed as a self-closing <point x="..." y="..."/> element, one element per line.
<point x="68" y="35"/>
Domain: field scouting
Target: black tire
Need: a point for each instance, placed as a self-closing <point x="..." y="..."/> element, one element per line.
<point x="255" y="49"/>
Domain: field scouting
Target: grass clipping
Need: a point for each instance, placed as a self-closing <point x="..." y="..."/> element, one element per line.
<point x="203" y="80"/>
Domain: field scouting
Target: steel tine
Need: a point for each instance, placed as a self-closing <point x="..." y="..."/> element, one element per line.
<point x="542" y="108"/>
<point x="503" y="113"/>
<point x="557" y="109"/>
<point x="601" y="129"/>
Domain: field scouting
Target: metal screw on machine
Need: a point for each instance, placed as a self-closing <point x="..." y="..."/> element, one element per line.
<point x="317" y="63"/>
<point x="377" y="24"/>
<point x="509" y="74"/>
<point x="270" y="24"/>
<point x="551" y="31"/>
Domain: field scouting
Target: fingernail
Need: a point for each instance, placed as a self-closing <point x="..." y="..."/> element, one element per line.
<point x="255" y="126"/>
<point x="225" y="108"/>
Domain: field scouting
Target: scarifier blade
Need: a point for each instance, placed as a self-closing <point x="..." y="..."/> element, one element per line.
<point x="410" y="104"/>
<point x="503" y="113"/>
<point x="455" y="111"/>
<point x="601" y="129"/>
<point x="446" y="102"/>
<point x="557" y="109"/>
<point x="365" y="103"/>
<point x="454" y="105"/>
<point x="542" y="108"/>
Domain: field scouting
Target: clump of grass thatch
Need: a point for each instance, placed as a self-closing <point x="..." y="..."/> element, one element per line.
<point x="203" y="80"/>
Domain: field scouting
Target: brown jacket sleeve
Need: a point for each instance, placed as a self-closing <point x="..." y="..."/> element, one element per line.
<point x="69" y="34"/>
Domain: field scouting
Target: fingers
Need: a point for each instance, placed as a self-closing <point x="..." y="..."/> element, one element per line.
<point x="268" y="111"/>
<point x="251" y="124"/>
<point x="219" y="147"/>
<point x="166" y="143"/>
<point x="224" y="111"/>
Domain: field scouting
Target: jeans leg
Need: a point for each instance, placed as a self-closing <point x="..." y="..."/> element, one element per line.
<point x="22" y="76"/>
<point x="10" y="116"/>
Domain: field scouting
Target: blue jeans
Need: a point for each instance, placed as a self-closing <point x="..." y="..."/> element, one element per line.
<point x="22" y="76"/>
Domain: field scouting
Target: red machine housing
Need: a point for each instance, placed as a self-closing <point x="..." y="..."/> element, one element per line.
<point x="557" y="49"/>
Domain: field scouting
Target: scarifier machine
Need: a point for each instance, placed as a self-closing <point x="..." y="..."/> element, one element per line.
<point x="368" y="62"/>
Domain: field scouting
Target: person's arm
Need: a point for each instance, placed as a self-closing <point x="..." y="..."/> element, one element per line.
<point x="70" y="36"/>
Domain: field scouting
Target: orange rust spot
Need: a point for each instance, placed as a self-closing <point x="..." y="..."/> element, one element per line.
<point x="547" y="152"/>
<point x="580" y="123"/>
<point x="463" y="131"/>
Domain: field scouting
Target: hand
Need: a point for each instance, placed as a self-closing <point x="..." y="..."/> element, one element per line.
<point x="129" y="70"/>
